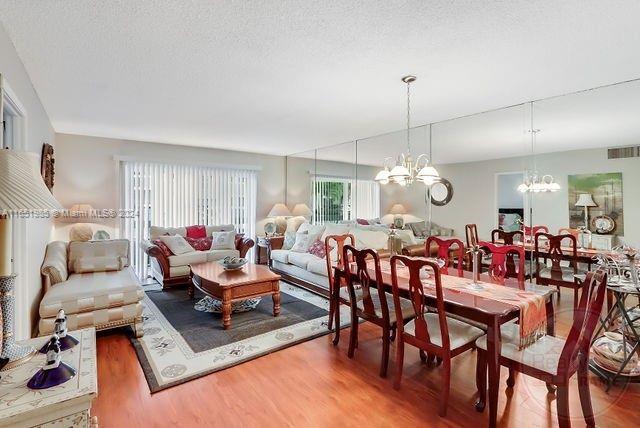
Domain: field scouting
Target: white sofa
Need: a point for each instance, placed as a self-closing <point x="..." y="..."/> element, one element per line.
<point x="174" y="269"/>
<point x="94" y="284"/>
<point x="310" y="271"/>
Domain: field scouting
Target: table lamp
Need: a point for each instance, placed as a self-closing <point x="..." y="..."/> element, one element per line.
<point x="22" y="189"/>
<point x="279" y="212"/>
<point x="301" y="210"/>
<point x="398" y="210"/>
<point x="82" y="230"/>
<point x="586" y="200"/>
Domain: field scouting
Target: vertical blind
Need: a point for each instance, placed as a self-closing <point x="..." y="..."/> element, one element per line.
<point x="171" y="195"/>
<point x="337" y="199"/>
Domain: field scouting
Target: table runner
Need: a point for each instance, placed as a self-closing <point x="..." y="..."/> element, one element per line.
<point x="533" y="311"/>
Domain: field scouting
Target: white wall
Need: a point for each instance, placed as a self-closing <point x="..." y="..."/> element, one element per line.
<point x="508" y="194"/>
<point x="38" y="131"/>
<point x="87" y="172"/>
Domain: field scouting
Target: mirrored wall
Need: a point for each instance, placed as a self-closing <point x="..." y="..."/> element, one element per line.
<point x="580" y="142"/>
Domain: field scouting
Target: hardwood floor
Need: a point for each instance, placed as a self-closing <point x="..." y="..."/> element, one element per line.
<point x="315" y="384"/>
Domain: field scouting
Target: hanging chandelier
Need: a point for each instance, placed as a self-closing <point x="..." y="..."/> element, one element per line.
<point x="533" y="181"/>
<point x="406" y="172"/>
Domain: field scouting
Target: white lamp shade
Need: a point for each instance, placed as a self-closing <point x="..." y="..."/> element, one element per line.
<point x="279" y="210"/>
<point x="382" y="176"/>
<point x="21" y="185"/>
<point x="585" y="200"/>
<point x="399" y="172"/>
<point x="428" y="172"/>
<point x="397" y="209"/>
<point x="301" y="210"/>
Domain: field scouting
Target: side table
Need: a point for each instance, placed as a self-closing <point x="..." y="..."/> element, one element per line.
<point x="66" y="405"/>
<point x="263" y="243"/>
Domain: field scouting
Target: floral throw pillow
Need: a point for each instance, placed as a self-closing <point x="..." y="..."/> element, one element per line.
<point x="200" y="244"/>
<point x="317" y="249"/>
<point x="224" y="240"/>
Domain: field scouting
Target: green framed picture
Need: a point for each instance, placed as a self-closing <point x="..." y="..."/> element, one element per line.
<point x="606" y="191"/>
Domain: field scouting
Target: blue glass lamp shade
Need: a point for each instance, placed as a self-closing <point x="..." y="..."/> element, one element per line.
<point x="55" y="372"/>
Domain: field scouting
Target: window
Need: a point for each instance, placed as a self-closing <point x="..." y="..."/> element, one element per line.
<point x="167" y="195"/>
<point x="336" y="199"/>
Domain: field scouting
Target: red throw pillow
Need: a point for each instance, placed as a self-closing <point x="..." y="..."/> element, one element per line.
<point x="163" y="247"/>
<point x="198" y="231"/>
<point x="362" y="221"/>
<point x="200" y="244"/>
<point x="317" y="249"/>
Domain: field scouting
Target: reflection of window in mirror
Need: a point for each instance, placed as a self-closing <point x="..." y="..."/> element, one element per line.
<point x="335" y="199"/>
<point x="510" y="202"/>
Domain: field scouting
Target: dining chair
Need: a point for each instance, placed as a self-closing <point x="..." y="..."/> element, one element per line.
<point x="336" y="242"/>
<point x="508" y="238"/>
<point x="471" y="234"/>
<point x="554" y="248"/>
<point x="530" y="232"/>
<point x="432" y="333"/>
<point x="553" y="360"/>
<point x="444" y="252"/>
<point x="503" y="261"/>
<point x="370" y="302"/>
<point x="569" y="231"/>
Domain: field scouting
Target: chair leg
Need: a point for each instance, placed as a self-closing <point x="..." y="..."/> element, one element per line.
<point x="336" y="338"/>
<point x="562" y="397"/>
<point x="481" y="380"/>
<point x="446" y="386"/>
<point x="551" y="388"/>
<point x="399" y="362"/>
<point x="585" y="395"/>
<point x="331" y="314"/>
<point x="353" y="337"/>
<point x="423" y="356"/>
<point x="511" y="380"/>
<point x="384" y="364"/>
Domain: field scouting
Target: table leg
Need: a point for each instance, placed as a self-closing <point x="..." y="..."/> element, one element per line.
<point x="493" y="358"/>
<point x="226" y="310"/>
<point x="276" y="303"/>
<point x="190" y="288"/>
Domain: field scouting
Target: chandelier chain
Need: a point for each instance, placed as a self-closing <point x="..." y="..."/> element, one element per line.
<point x="408" y="117"/>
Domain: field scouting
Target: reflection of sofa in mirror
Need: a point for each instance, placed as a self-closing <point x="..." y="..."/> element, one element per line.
<point x="294" y="260"/>
<point x="421" y="232"/>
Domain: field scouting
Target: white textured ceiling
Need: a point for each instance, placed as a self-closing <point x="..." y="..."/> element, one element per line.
<point x="282" y="77"/>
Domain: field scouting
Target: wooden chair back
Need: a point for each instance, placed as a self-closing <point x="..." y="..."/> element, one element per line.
<point x="444" y="252"/>
<point x="585" y="320"/>
<point x="569" y="231"/>
<point x="416" y="295"/>
<point x="338" y="242"/>
<point x="362" y="278"/>
<point x="471" y="234"/>
<point x="555" y="251"/>
<point x="508" y="238"/>
<point x="503" y="261"/>
<point x="530" y="232"/>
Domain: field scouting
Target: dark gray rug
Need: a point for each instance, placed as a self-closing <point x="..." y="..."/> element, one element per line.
<point x="203" y="330"/>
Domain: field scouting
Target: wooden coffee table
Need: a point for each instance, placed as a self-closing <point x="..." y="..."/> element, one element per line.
<point x="233" y="285"/>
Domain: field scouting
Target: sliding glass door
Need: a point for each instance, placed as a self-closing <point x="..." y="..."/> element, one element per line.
<point x="170" y="195"/>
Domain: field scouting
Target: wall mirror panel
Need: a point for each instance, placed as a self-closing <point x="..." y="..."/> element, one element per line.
<point x="574" y="136"/>
<point x="334" y="187"/>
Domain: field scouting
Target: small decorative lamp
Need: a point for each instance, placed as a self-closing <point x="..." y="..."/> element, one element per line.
<point x="301" y="210"/>
<point x="586" y="200"/>
<point x="279" y="212"/>
<point x="55" y="372"/>
<point x="22" y="189"/>
<point x="60" y="330"/>
<point x="398" y="220"/>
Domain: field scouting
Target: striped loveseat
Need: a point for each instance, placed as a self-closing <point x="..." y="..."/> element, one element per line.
<point x="94" y="284"/>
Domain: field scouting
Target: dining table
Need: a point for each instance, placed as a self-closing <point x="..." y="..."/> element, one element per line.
<point x="489" y="313"/>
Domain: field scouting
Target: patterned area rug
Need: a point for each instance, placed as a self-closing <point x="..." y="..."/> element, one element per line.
<point x="181" y="343"/>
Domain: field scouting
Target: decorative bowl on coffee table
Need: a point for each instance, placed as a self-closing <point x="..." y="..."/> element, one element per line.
<point x="233" y="263"/>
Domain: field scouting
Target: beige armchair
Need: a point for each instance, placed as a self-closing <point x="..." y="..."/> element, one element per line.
<point x="94" y="284"/>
